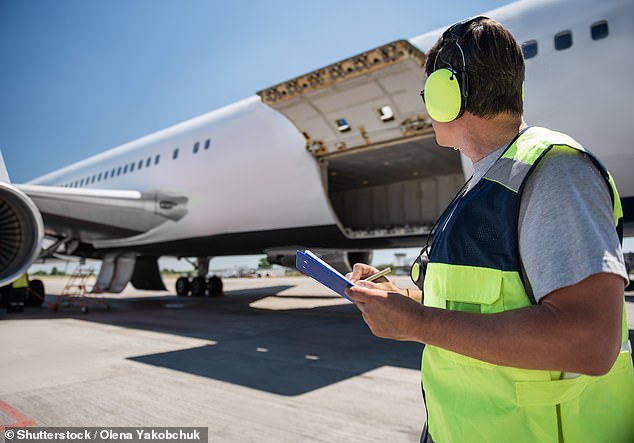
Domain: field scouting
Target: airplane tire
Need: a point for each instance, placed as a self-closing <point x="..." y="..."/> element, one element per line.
<point x="36" y="293"/>
<point x="198" y="287"/>
<point x="214" y="286"/>
<point x="182" y="286"/>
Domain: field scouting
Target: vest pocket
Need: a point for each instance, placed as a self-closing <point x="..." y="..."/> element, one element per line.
<point x="551" y="392"/>
<point x="589" y="409"/>
<point x="463" y="288"/>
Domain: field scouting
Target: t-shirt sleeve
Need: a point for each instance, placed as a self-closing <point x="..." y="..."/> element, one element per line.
<point x="566" y="224"/>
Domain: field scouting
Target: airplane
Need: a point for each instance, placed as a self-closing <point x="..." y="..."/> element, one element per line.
<point x="346" y="152"/>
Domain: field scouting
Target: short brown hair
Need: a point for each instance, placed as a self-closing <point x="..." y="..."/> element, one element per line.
<point x="494" y="65"/>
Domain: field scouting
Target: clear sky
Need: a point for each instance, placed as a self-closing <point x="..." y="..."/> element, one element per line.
<point x="79" y="77"/>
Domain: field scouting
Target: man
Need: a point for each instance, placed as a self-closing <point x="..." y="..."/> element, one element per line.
<point x="15" y="295"/>
<point x="522" y="306"/>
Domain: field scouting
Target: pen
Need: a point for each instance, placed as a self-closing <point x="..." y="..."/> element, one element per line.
<point x="382" y="273"/>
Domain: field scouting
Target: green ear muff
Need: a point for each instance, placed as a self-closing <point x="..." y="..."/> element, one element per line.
<point x="443" y="98"/>
<point x="414" y="272"/>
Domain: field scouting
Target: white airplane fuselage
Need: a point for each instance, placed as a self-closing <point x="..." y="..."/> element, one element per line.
<point x="251" y="172"/>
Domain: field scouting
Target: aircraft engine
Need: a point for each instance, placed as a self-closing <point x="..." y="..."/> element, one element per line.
<point x="21" y="233"/>
<point x="342" y="261"/>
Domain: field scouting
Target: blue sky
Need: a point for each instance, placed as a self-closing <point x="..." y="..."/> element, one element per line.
<point x="79" y="77"/>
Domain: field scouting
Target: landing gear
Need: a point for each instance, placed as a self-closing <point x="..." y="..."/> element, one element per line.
<point x="182" y="286"/>
<point x="200" y="285"/>
<point x="214" y="286"/>
<point x="35" y="293"/>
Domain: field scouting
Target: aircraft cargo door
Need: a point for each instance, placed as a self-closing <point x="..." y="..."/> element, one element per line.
<point x="364" y="122"/>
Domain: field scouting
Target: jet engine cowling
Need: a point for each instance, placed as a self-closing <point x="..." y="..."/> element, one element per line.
<point x="341" y="260"/>
<point x="21" y="233"/>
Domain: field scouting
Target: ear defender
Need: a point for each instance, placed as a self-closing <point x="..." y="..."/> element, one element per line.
<point x="442" y="95"/>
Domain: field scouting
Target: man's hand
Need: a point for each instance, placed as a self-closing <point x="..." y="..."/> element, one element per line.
<point x="387" y="314"/>
<point x="361" y="271"/>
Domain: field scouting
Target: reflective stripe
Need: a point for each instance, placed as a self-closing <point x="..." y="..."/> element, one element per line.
<point x="21" y="282"/>
<point x="618" y="208"/>
<point x="508" y="172"/>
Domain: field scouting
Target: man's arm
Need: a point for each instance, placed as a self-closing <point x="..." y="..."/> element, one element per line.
<point x="568" y="331"/>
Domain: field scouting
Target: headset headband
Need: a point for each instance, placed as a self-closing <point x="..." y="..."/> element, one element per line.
<point x="455" y="31"/>
<point x="453" y="34"/>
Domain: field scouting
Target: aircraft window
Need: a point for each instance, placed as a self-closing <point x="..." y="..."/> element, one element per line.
<point x="132" y="166"/>
<point x="112" y="172"/>
<point x="81" y="182"/>
<point x="125" y="169"/>
<point x="563" y="40"/>
<point x="207" y="143"/>
<point x="196" y="147"/>
<point x="92" y="180"/>
<point x="157" y="159"/>
<point x="140" y="164"/>
<point x="175" y="154"/>
<point x="529" y="49"/>
<point x="76" y="183"/>
<point x="99" y="177"/>
<point x="119" y="171"/>
<point x="599" y="30"/>
<point x="148" y="162"/>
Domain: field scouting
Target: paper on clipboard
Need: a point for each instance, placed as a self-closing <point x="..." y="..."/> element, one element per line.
<point x="315" y="267"/>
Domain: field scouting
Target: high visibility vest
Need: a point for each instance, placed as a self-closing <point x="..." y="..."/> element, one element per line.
<point x="475" y="266"/>
<point x="21" y="282"/>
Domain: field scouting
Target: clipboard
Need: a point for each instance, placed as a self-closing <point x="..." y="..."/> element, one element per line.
<point x="314" y="267"/>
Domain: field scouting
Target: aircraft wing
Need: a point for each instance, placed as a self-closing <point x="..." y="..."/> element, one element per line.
<point x="88" y="215"/>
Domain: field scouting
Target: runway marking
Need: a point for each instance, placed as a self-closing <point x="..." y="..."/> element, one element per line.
<point x="21" y="419"/>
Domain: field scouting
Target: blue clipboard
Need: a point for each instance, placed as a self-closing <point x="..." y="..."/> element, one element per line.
<point x="316" y="268"/>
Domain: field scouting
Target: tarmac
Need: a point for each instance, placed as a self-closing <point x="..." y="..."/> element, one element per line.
<point x="275" y="360"/>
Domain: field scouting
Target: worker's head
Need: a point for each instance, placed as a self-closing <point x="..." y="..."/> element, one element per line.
<point x="476" y="66"/>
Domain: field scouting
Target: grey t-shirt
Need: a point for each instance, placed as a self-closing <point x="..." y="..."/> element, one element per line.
<point x="566" y="224"/>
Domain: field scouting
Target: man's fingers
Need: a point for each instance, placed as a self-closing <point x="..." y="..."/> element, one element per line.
<point x="360" y="271"/>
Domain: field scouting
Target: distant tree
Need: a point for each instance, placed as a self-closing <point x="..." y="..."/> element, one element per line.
<point x="264" y="264"/>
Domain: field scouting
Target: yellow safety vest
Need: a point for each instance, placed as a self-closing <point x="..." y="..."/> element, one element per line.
<point x="21" y="282"/>
<point x="475" y="267"/>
